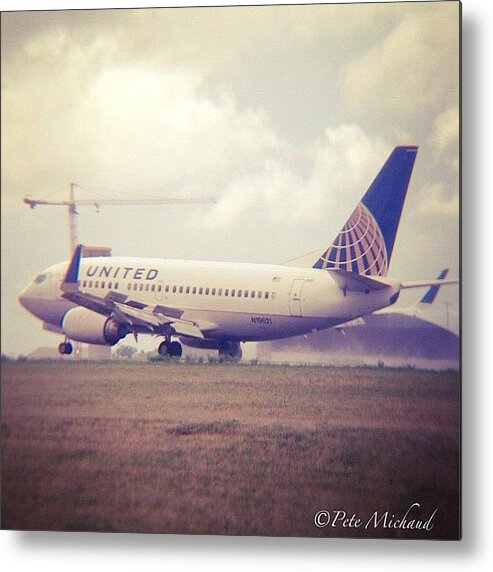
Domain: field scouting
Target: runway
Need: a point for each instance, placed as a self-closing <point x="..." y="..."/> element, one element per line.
<point x="228" y="449"/>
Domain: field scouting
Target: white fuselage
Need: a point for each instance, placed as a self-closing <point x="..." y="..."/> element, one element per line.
<point x="238" y="302"/>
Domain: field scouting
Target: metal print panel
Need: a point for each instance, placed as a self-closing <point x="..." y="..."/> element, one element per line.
<point x="186" y="348"/>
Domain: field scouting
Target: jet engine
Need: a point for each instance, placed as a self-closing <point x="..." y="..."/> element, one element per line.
<point x="84" y="325"/>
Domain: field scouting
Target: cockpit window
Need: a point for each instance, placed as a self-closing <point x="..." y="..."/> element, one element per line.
<point x="40" y="278"/>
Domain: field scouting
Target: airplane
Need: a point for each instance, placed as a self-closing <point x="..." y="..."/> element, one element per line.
<point x="219" y="305"/>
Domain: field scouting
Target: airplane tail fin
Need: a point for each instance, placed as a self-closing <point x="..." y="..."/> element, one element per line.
<point x="366" y="241"/>
<point x="431" y="293"/>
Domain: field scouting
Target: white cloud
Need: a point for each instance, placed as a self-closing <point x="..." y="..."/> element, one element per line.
<point x="341" y="164"/>
<point x="446" y="129"/>
<point x="436" y="200"/>
<point x="408" y="71"/>
<point x="445" y="136"/>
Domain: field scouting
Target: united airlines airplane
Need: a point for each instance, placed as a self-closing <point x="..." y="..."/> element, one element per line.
<point x="218" y="305"/>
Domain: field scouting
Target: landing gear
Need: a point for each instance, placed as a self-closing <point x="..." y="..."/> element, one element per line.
<point x="169" y="348"/>
<point x="65" y="348"/>
<point x="230" y="351"/>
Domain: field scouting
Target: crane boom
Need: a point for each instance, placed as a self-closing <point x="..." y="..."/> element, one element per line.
<point x="72" y="205"/>
<point x="115" y="202"/>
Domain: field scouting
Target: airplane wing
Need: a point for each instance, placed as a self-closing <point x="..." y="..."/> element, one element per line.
<point x="156" y="319"/>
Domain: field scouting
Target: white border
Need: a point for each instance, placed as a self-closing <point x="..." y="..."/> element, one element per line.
<point x="78" y="551"/>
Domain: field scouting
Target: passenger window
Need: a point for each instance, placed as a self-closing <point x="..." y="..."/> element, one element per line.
<point x="102" y="284"/>
<point x="259" y="294"/>
<point x="200" y="290"/>
<point x="109" y="285"/>
<point x="135" y="286"/>
<point x="266" y="295"/>
<point x="213" y="291"/>
<point x="174" y="289"/>
<point x="141" y="287"/>
<point x="207" y="291"/>
<point x="246" y="294"/>
<point x="220" y="292"/>
<point x="194" y="290"/>
<point x="96" y="284"/>
<point x="147" y="287"/>
<point x="181" y="290"/>
<point x="187" y="290"/>
<point x="239" y="293"/>
<point x="153" y="288"/>
<point x="159" y="288"/>
<point x="226" y="292"/>
<point x="233" y="292"/>
<point x="166" y="288"/>
<point x="116" y="285"/>
<point x="90" y="283"/>
<point x="252" y="294"/>
<point x="84" y="283"/>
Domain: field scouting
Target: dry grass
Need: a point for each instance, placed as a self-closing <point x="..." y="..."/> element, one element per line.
<point x="224" y="449"/>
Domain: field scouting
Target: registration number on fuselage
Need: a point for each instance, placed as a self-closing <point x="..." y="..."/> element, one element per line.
<point x="261" y="320"/>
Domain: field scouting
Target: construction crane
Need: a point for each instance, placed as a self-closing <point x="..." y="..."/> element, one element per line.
<point x="72" y="205"/>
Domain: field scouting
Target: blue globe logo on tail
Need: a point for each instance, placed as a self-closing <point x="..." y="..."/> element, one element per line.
<point x="365" y="243"/>
<point x="359" y="247"/>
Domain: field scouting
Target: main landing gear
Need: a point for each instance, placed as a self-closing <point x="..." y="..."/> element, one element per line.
<point x="169" y="348"/>
<point x="230" y="351"/>
<point x="65" y="348"/>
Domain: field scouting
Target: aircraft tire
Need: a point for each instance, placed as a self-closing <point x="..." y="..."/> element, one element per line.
<point x="175" y="349"/>
<point x="65" y="348"/>
<point x="163" y="349"/>
<point x="230" y="352"/>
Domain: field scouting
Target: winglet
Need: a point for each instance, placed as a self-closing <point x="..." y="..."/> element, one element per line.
<point x="72" y="275"/>
<point x="430" y="295"/>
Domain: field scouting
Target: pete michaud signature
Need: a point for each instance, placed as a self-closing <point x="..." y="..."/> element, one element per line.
<point x="412" y="519"/>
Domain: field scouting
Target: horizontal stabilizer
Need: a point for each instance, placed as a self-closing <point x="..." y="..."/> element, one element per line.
<point x="353" y="282"/>
<point x="425" y="283"/>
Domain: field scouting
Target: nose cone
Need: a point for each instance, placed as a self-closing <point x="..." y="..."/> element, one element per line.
<point x="26" y="299"/>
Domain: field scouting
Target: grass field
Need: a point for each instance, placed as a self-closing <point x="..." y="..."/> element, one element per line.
<point x="226" y="449"/>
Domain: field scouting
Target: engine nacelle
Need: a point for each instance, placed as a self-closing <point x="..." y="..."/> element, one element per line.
<point x="83" y="325"/>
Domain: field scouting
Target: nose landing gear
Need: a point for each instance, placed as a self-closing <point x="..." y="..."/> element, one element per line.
<point x="169" y="348"/>
<point x="65" y="348"/>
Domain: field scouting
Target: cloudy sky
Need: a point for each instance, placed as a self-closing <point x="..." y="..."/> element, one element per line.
<point x="283" y="113"/>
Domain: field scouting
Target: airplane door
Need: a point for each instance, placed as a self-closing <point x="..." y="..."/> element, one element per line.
<point x="295" y="297"/>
